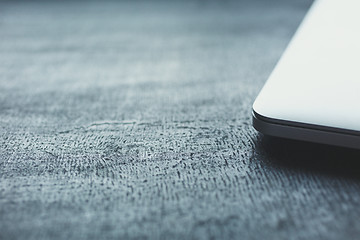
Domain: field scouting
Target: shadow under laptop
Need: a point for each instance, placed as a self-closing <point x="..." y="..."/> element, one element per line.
<point x="325" y="159"/>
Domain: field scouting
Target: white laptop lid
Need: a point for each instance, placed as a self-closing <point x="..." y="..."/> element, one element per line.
<point x="317" y="80"/>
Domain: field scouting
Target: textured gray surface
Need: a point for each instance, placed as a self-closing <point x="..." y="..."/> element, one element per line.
<point x="131" y="120"/>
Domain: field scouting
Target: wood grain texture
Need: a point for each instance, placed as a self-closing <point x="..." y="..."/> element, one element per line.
<point x="132" y="120"/>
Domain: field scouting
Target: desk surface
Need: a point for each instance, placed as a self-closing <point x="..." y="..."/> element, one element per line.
<point x="132" y="120"/>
